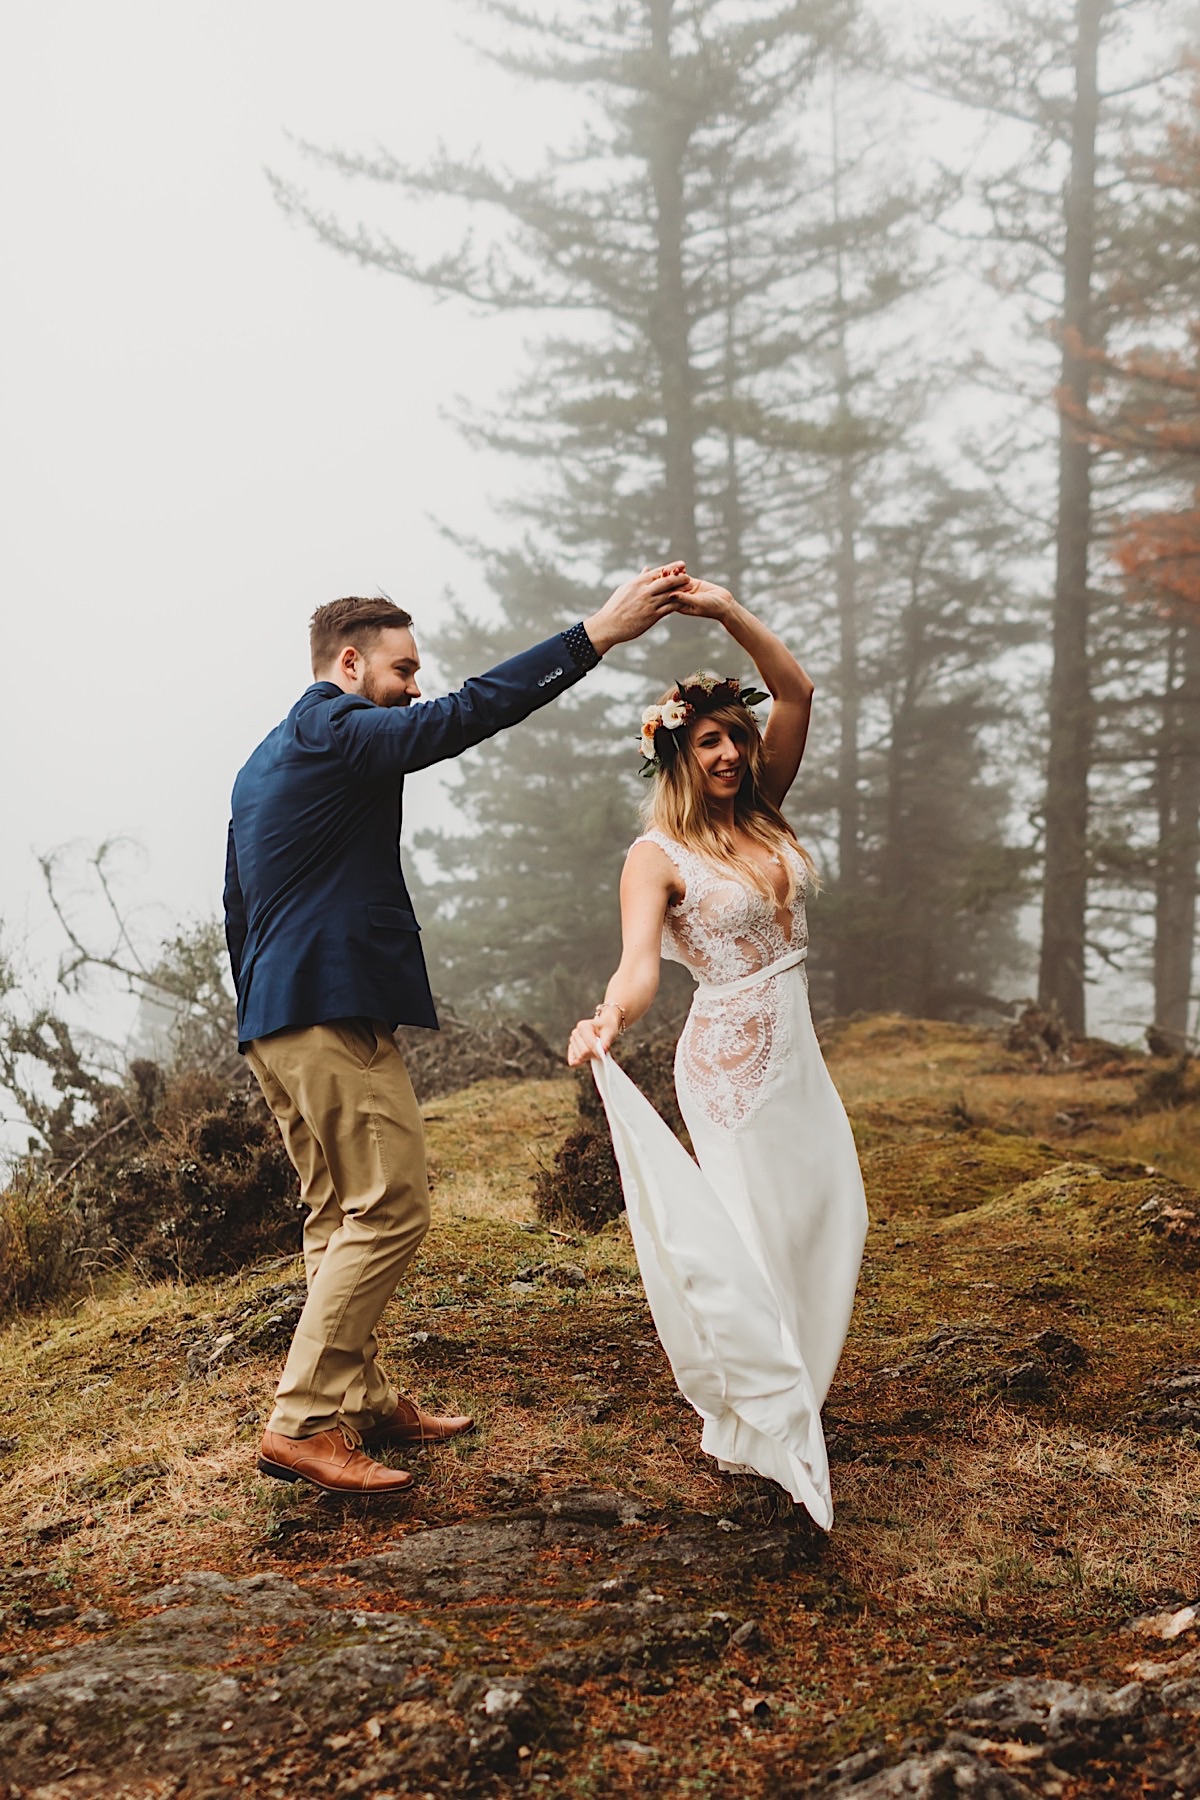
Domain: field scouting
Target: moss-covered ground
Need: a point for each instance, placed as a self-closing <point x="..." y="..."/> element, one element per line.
<point x="1009" y="1486"/>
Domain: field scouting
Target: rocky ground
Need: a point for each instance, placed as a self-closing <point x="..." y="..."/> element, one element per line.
<point x="484" y="1655"/>
<point x="576" y="1603"/>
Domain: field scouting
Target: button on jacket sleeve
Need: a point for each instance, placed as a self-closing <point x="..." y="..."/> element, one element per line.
<point x="379" y="742"/>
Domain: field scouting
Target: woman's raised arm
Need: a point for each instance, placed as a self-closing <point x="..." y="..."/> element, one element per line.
<point x="790" y="688"/>
<point x="648" y="882"/>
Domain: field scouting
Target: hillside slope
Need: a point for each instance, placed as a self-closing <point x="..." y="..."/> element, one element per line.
<point x="576" y="1600"/>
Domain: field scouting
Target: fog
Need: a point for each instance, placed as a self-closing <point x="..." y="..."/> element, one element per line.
<point x="211" y="424"/>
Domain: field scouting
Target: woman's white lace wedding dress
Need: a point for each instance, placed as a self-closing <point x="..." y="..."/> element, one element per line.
<point x="750" y="1261"/>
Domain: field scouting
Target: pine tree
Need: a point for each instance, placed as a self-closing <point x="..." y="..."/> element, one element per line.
<point x="721" y="264"/>
<point x="1146" y="414"/>
<point x="1058" y="216"/>
<point x="935" y="925"/>
<point x="677" y="423"/>
<point x="867" y="403"/>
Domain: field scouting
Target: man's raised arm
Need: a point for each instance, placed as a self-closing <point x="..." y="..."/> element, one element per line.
<point x="384" y="741"/>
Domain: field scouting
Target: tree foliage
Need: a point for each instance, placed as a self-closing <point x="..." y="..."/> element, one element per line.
<point x="719" y="265"/>
<point x="1145" y="416"/>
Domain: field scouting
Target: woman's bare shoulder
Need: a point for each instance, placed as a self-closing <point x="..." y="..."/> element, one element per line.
<point x="649" y="860"/>
<point x="649" y="852"/>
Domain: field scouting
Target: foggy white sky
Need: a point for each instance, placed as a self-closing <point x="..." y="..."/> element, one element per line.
<point x="210" y="423"/>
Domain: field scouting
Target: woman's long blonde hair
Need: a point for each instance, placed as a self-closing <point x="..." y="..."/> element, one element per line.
<point x="677" y="805"/>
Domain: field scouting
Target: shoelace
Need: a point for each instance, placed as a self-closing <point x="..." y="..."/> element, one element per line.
<point x="351" y="1438"/>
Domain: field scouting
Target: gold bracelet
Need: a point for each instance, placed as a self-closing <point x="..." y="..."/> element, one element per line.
<point x="620" y="1009"/>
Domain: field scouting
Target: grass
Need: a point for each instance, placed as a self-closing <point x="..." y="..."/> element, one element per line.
<point x="976" y="1532"/>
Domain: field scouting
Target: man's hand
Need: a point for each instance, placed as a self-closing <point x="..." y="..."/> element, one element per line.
<point x="637" y="606"/>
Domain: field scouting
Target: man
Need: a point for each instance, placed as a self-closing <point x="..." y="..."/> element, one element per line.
<point x="327" y="962"/>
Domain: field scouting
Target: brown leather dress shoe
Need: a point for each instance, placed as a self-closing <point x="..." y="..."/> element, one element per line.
<point x="332" y="1460"/>
<point x="409" y="1425"/>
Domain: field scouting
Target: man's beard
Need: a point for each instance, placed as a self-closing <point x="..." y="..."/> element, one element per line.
<point x="372" y="691"/>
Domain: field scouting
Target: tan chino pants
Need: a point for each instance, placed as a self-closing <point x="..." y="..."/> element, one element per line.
<point x="352" y="1128"/>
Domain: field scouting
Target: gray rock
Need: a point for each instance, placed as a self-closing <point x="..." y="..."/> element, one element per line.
<point x="596" y="1507"/>
<point x="568" y="1275"/>
<point x="48" y="1616"/>
<point x="856" y="1768"/>
<point x="218" y="1678"/>
<point x="1037" y="1710"/>
<point x="96" y="1619"/>
<point x="1171" y="1401"/>
<point x="466" y="1562"/>
<point x="1026" y="1380"/>
<point x="77" y="1692"/>
<point x="356" y="1676"/>
<point x="265" y="1593"/>
<point x="163" y="1675"/>
<point x="748" y="1636"/>
<point x="262" y="1325"/>
<point x="939" y="1775"/>
<point x="498" y="1702"/>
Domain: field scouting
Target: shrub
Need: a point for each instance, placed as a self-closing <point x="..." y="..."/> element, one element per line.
<point x="469" y="1050"/>
<point x="650" y="1065"/>
<point x="204" y="1187"/>
<point x="211" y="1192"/>
<point x="582" y="1188"/>
<point x="41" y="1229"/>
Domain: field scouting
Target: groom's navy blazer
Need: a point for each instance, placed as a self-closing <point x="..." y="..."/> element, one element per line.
<point x="317" y="916"/>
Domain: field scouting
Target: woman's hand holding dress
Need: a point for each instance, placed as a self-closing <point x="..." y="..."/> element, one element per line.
<point x="593" y="1037"/>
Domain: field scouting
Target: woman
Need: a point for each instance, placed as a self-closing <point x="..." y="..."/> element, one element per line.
<point x="750" y="1261"/>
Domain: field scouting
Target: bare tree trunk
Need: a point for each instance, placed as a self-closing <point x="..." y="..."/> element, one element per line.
<point x="848" y="972"/>
<point x="897" y="986"/>
<point x="669" y="325"/>
<point x="733" y="512"/>
<point x="1064" y="898"/>
<point x="1178" y="835"/>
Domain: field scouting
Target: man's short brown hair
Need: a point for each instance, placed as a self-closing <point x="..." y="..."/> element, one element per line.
<point x="351" y="621"/>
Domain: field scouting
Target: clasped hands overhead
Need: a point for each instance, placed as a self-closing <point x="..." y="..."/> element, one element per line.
<point x="650" y="597"/>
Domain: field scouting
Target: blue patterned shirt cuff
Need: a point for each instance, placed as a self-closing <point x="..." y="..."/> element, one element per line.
<point x="583" y="652"/>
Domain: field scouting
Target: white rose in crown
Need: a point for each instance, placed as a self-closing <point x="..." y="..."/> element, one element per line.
<point x="674" y="714"/>
<point x="651" y="720"/>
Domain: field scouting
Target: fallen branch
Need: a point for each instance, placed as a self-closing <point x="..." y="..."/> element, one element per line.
<point x="111" y="1132"/>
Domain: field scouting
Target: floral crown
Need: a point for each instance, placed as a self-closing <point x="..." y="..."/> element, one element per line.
<point x="700" y="693"/>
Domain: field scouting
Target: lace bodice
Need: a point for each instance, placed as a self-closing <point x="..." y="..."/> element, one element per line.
<point x="724" y="930"/>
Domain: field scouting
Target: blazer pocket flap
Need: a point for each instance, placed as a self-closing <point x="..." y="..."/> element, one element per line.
<point x="393" y="918"/>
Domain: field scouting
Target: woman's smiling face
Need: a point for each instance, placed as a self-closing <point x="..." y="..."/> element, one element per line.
<point x="721" y="752"/>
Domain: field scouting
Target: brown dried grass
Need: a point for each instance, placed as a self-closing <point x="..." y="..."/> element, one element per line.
<point x="948" y="1506"/>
